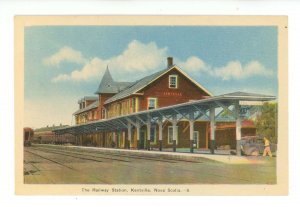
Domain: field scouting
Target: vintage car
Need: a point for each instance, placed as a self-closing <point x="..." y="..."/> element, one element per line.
<point x="254" y="145"/>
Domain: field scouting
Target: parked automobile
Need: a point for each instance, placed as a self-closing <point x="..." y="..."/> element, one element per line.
<point x="254" y="145"/>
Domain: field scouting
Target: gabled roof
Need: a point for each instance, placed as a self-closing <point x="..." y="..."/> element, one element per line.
<point x="89" y="107"/>
<point x="243" y="94"/>
<point x="108" y="85"/>
<point x="88" y="98"/>
<point x="135" y="87"/>
<point x="123" y="85"/>
<point x="142" y="83"/>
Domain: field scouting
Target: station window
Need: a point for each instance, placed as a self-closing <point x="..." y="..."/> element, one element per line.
<point x="103" y="113"/>
<point x="152" y="103"/>
<point x="173" y="81"/>
<point x="170" y="135"/>
<point x="133" y="104"/>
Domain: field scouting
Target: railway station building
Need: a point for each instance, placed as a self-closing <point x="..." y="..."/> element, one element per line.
<point x="167" y="109"/>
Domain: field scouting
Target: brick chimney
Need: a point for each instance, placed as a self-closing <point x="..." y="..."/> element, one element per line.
<point x="170" y="61"/>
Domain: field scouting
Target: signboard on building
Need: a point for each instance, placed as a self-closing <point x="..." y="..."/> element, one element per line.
<point x="251" y="103"/>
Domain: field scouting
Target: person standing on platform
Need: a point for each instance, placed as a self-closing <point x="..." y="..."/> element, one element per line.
<point x="267" y="147"/>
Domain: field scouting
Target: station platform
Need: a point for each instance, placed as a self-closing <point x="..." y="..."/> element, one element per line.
<point x="61" y="164"/>
<point x="222" y="156"/>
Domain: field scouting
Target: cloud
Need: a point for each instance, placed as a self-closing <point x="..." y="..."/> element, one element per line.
<point x="61" y="77"/>
<point x="235" y="70"/>
<point x="91" y="69"/>
<point x="137" y="57"/>
<point x="66" y="54"/>
<point x="232" y="70"/>
<point x="193" y="64"/>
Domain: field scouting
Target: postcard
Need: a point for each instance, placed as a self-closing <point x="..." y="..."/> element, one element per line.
<point x="151" y="105"/>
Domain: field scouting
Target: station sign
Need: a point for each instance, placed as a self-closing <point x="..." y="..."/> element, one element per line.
<point x="251" y="103"/>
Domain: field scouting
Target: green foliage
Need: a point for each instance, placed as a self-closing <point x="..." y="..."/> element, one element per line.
<point x="266" y="122"/>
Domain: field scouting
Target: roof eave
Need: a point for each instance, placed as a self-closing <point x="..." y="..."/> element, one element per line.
<point x="195" y="82"/>
<point x="79" y="112"/>
<point x="136" y="92"/>
<point x="180" y="70"/>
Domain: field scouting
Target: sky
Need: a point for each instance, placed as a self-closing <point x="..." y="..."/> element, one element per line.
<point x="65" y="63"/>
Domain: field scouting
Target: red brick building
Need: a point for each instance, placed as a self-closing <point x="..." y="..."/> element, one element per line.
<point x="164" y="88"/>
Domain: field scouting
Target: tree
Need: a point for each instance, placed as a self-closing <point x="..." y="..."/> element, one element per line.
<point x="266" y="122"/>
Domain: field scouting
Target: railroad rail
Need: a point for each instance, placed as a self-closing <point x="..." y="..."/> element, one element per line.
<point x="74" y="165"/>
<point x="111" y="154"/>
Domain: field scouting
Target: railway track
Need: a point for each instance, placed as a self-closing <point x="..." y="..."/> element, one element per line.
<point x="110" y="157"/>
<point x="111" y="154"/>
<point x="92" y="154"/>
<point x="54" y="161"/>
<point x="30" y="171"/>
<point x="83" y="156"/>
<point x="48" y="159"/>
<point x="74" y="165"/>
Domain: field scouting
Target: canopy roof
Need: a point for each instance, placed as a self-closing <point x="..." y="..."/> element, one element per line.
<point x="199" y="107"/>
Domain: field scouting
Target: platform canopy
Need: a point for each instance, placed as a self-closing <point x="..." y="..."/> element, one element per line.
<point x="195" y="109"/>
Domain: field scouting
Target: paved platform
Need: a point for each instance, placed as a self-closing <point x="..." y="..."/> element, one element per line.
<point x="54" y="164"/>
<point x="223" y="156"/>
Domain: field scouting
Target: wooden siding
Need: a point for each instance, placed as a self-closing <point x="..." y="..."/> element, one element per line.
<point x="101" y="107"/>
<point x="159" y="89"/>
<point x="87" y="116"/>
<point x="123" y="107"/>
<point x="185" y="91"/>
